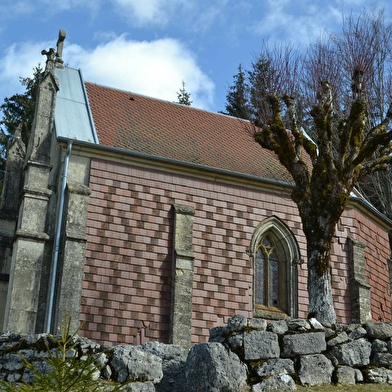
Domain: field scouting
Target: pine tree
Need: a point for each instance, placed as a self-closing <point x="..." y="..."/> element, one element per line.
<point x="183" y="96"/>
<point x="237" y="97"/>
<point x="18" y="109"/>
<point x="66" y="369"/>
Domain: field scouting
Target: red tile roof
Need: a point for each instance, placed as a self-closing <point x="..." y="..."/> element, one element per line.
<point x="134" y="122"/>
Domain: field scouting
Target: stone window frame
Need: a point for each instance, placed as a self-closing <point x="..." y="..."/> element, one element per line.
<point x="288" y="249"/>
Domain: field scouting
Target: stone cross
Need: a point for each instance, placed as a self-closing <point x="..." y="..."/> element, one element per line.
<point x="53" y="56"/>
<point x="60" y="44"/>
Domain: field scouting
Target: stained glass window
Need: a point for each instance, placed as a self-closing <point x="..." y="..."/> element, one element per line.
<point x="260" y="281"/>
<point x="267" y="270"/>
<point x="273" y="249"/>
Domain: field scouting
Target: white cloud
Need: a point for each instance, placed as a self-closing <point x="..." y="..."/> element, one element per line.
<point x="60" y="5"/>
<point x="16" y="7"/>
<point x="146" y="12"/>
<point x="154" y="68"/>
<point x="13" y="8"/>
<point x="196" y="15"/>
<point x="18" y="61"/>
<point x="302" y="22"/>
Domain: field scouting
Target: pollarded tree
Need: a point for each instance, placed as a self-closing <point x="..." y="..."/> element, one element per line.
<point x="339" y="93"/>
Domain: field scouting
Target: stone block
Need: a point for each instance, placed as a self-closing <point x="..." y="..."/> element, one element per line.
<point x="276" y="366"/>
<point x="218" y="332"/>
<point x="339" y="339"/>
<point x="279" y="327"/>
<point x="355" y="353"/>
<point x="278" y="382"/>
<point x="382" y="360"/>
<point x="358" y="376"/>
<point x="237" y="323"/>
<point x="378" y="375"/>
<point x="299" y="325"/>
<point x="357" y="333"/>
<point x="346" y="375"/>
<point x="303" y="344"/>
<point x="260" y="345"/>
<point x="257" y="324"/>
<point x="173" y="366"/>
<point x="381" y="331"/>
<point x="133" y="363"/>
<point x="210" y="367"/>
<point x="139" y="387"/>
<point x="236" y="342"/>
<point x="379" y="346"/>
<point x="315" y="370"/>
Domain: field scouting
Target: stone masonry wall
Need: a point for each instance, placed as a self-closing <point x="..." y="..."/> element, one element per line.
<point x="246" y="355"/>
<point x="280" y="354"/>
<point x="128" y="271"/>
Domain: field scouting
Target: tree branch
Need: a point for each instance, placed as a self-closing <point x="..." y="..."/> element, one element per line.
<point x="276" y="137"/>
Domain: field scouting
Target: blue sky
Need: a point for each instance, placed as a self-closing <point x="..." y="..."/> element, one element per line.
<point x="150" y="46"/>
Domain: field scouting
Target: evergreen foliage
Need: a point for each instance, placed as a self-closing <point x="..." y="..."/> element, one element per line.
<point x="237" y="104"/>
<point x="19" y="108"/>
<point x="69" y="372"/>
<point x="184" y="98"/>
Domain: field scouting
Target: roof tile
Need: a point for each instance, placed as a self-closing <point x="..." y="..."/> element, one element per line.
<point x="165" y="129"/>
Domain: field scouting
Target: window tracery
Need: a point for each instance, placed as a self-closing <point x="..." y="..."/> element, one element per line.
<point x="275" y="252"/>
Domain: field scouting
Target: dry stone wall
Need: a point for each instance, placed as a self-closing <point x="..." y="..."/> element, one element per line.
<point x="245" y="355"/>
<point x="281" y="354"/>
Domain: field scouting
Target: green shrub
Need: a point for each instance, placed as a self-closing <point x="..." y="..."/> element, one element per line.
<point x="65" y="372"/>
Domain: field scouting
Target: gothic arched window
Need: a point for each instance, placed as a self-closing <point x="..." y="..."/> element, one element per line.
<point x="275" y="255"/>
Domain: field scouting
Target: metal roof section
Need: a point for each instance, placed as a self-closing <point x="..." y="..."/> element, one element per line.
<point x="73" y="118"/>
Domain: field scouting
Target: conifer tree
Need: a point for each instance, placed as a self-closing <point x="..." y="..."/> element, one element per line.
<point x="237" y="96"/>
<point x="18" y="109"/>
<point x="184" y="98"/>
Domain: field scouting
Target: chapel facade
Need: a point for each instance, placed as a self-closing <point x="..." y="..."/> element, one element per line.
<point x="150" y="220"/>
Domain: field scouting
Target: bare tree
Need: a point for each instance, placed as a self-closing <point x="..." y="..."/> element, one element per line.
<point x="339" y="93"/>
<point x="376" y="188"/>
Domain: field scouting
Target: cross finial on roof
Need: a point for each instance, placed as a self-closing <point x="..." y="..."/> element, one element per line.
<point x="60" y="44"/>
<point x="53" y="57"/>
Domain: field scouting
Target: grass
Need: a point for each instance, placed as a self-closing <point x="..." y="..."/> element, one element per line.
<point x="348" y="388"/>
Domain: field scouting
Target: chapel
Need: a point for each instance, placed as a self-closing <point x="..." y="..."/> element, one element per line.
<point x="145" y="220"/>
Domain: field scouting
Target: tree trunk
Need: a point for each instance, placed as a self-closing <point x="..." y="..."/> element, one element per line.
<point x="320" y="286"/>
<point x="319" y="227"/>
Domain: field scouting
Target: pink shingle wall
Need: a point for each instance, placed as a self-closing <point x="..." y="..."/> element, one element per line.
<point x="357" y="226"/>
<point x="376" y="268"/>
<point x="127" y="284"/>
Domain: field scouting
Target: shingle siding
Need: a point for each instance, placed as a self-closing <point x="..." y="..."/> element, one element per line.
<point x="127" y="285"/>
<point x="128" y="272"/>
